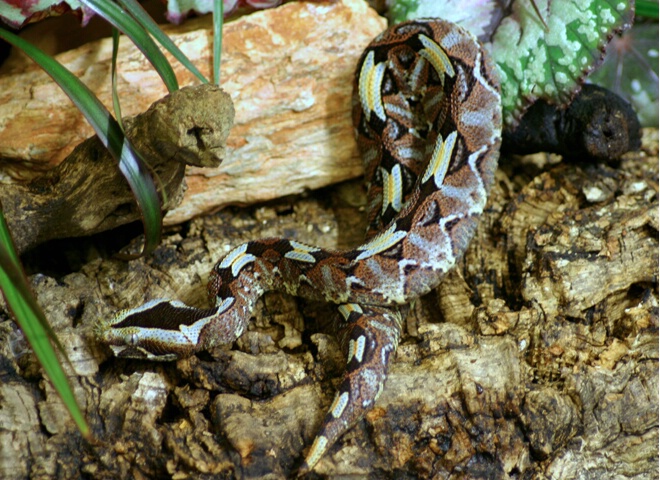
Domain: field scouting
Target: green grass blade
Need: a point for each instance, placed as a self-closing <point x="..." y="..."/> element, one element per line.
<point x="218" y="20"/>
<point x="116" y="105"/>
<point x="646" y="8"/>
<point x="117" y="17"/>
<point x="110" y="134"/>
<point x="34" y="325"/>
<point x="135" y="9"/>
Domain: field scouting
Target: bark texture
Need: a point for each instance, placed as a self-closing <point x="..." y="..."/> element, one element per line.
<point x="536" y="358"/>
<point x="289" y="72"/>
<point x="87" y="194"/>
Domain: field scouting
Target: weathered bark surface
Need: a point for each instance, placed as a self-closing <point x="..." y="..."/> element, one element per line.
<point x="87" y="194"/>
<point x="288" y="70"/>
<point x="536" y="358"/>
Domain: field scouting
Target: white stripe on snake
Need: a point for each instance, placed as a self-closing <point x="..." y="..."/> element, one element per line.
<point x="427" y="115"/>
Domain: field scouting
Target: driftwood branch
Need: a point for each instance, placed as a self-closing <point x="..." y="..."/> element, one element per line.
<point x="289" y="72"/>
<point x="86" y="193"/>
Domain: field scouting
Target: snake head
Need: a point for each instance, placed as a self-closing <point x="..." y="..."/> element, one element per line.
<point x="162" y="330"/>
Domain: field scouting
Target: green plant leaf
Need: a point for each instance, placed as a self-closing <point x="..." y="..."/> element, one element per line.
<point x="116" y="104"/>
<point x="535" y="62"/>
<point x="136" y="10"/>
<point x="109" y="133"/>
<point x="34" y="325"/>
<point x="478" y="16"/>
<point x="218" y="20"/>
<point x="646" y="8"/>
<point x="113" y="14"/>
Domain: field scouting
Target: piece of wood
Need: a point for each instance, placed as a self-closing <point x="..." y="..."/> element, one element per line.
<point x="536" y="357"/>
<point x="517" y="366"/>
<point x="87" y="193"/>
<point x="288" y="70"/>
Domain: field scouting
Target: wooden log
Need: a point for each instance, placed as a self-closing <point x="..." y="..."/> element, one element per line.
<point x="288" y="70"/>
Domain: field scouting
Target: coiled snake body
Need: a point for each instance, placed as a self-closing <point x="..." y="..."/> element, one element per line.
<point x="427" y="115"/>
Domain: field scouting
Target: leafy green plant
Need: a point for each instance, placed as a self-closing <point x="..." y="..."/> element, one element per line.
<point x="18" y="14"/>
<point x="138" y="26"/>
<point x="552" y="53"/>
<point x="646" y="8"/>
<point x="543" y="50"/>
<point x="32" y="321"/>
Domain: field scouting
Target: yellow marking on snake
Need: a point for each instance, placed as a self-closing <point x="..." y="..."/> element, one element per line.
<point x="437" y="57"/>
<point x="440" y="159"/>
<point x="359" y="348"/>
<point x="356" y="349"/>
<point x="339" y="404"/>
<point x="351" y="350"/>
<point x="301" y="252"/>
<point x="318" y="449"/>
<point x="237" y="259"/>
<point x="369" y="87"/>
<point x="347" y="308"/>
<point x="381" y="242"/>
<point x="224" y="305"/>
<point x="392" y="189"/>
<point x="192" y="332"/>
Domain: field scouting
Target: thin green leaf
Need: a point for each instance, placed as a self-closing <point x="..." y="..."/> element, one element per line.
<point x="135" y="9"/>
<point x="646" y="8"/>
<point x="113" y="14"/>
<point x="6" y="240"/>
<point x="218" y="20"/>
<point x="33" y="323"/>
<point x="109" y="133"/>
<point x="116" y="105"/>
<point x="13" y="282"/>
<point x="144" y="190"/>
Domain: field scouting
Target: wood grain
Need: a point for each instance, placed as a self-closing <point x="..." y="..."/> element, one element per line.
<point x="288" y="70"/>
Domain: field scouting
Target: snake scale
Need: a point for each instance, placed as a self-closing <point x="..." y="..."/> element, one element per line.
<point x="427" y="115"/>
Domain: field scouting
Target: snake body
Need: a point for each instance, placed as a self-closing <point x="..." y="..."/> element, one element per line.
<point x="427" y="115"/>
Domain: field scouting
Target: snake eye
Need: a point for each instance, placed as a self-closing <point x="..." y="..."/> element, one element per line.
<point x="133" y="339"/>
